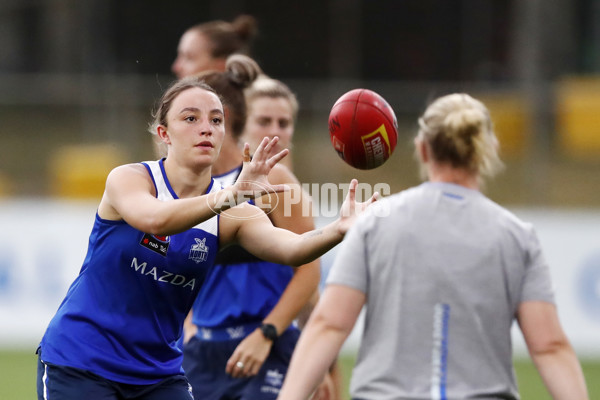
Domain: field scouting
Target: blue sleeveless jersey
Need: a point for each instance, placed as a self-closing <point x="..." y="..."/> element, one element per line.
<point x="240" y="289"/>
<point x="123" y="314"/>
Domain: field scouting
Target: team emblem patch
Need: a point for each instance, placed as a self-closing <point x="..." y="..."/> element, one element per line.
<point x="206" y="333"/>
<point x="156" y="243"/>
<point x="236" y="332"/>
<point x="199" y="251"/>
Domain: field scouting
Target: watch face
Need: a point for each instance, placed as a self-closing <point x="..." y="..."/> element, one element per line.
<point x="269" y="331"/>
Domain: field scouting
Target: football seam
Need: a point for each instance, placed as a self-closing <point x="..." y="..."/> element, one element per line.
<point x="357" y="101"/>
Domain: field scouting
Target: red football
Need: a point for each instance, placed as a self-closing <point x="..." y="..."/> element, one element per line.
<point x="363" y="128"/>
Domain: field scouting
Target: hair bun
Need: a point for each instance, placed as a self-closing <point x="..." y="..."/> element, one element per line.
<point x="464" y="123"/>
<point x="242" y="70"/>
<point x="459" y="131"/>
<point x="246" y="27"/>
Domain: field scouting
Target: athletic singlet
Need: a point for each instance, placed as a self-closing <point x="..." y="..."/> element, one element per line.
<point x="123" y="314"/>
<point x="240" y="290"/>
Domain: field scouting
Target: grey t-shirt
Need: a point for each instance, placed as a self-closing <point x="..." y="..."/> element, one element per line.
<point x="443" y="269"/>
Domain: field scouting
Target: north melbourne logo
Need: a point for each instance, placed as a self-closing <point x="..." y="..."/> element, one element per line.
<point x="199" y="251"/>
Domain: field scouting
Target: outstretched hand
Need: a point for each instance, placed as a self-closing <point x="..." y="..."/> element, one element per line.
<point x="351" y="208"/>
<point x="252" y="181"/>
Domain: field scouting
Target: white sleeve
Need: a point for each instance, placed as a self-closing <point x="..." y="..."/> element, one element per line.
<point x="537" y="282"/>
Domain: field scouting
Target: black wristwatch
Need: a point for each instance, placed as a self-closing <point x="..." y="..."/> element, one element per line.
<point x="269" y="331"/>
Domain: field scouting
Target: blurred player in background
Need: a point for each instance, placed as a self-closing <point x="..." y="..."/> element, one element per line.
<point x="443" y="272"/>
<point x="206" y="46"/>
<point x="156" y="234"/>
<point x="241" y="336"/>
<point x="272" y="111"/>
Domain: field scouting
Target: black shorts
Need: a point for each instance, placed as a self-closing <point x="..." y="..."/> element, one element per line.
<point x="67" y="383"/>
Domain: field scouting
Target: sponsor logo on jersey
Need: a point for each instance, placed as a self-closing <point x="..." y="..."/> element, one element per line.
<point x="156" y="243"/>
<point x="199" y="251"/>
<point x="160" y="275"/>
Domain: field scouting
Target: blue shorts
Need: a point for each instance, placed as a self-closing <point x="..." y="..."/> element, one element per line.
<point x="204" y="365"/>
<point x="67" y="383"/>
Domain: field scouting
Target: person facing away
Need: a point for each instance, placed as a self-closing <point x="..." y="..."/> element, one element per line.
<point x="206" y="46"/>
<point x="240" y="337"/>
<point x="156" y="235"/>
<point x="443" y="272"/>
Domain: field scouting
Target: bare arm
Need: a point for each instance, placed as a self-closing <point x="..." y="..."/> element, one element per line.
<point x="130" y="195"/>
<point x="551" y="351"/>
<point x="321" y="340"/>
<point x="189" y="328"/>
<point x="256" y="234"/>
<point x="306" y="279"/>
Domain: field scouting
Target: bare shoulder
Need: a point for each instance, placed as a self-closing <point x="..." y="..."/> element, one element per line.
<point x="122" y="181"/>
<point x="130" y="175"/>
<point x="129" y="170"/>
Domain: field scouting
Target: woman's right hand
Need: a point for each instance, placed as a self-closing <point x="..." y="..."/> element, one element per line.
<point x="351" y="208"/>
<point x="252" y="181"/>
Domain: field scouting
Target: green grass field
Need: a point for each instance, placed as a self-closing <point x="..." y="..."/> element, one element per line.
<point x="529" y="381"/>
<point x="18" y="375"/>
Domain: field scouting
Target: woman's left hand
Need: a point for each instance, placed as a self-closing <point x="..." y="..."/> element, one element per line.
<point x="252" y="181"/>
<point x="351" y="208"/>
<point x="249" y="355"/>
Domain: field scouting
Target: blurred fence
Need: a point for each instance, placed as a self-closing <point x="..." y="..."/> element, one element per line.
<point x="41" y="114"/>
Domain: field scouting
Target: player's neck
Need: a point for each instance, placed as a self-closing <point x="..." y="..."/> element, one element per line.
<point x="449" y="174"/>
<point x="230" y="157"/>
<point x="185" y="181"/>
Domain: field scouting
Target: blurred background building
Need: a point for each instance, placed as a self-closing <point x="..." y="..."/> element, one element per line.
<point x="75" y="74"/>
<point x="79" y="78"/>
